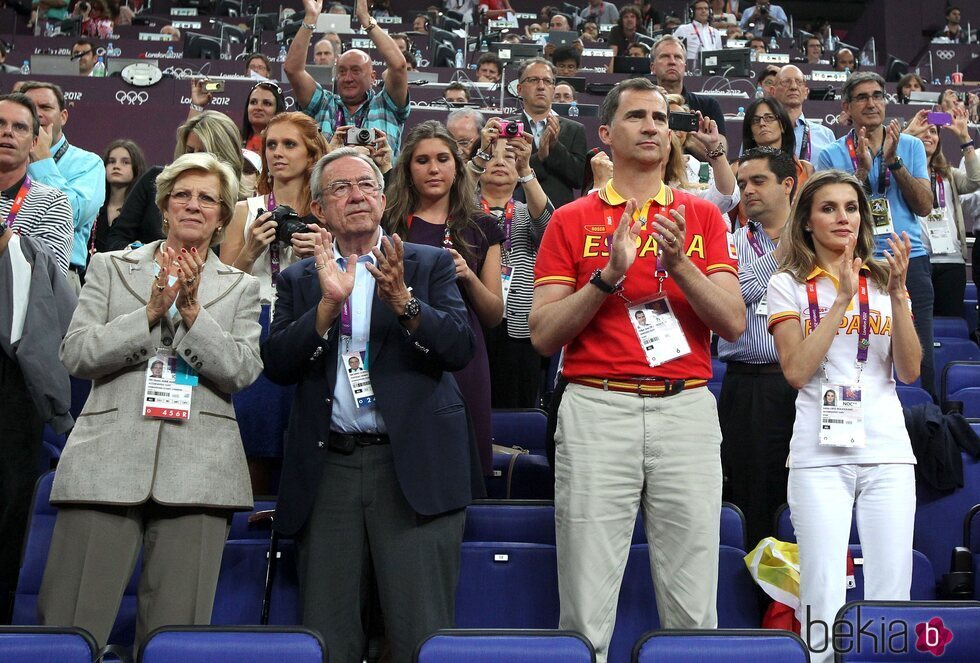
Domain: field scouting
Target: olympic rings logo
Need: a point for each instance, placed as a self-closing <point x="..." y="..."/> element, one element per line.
<point x="132" y="98"/>
<point x="944" y="54"/>
<point x="178" y="72"/>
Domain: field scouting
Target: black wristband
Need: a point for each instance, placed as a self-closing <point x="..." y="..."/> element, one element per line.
<point x="968" y="145"/>
<point x="597" y="281"/>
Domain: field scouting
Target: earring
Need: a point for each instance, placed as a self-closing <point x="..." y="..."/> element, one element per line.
<point x="166" y="226"/>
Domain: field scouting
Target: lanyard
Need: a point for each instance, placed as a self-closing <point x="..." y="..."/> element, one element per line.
<point x="805" y="144"/>
<point x="508" y="218"/>
<point x="701" y="41"/>
<point x="18" y="201"/>
<point x="61" y="151"/>
<point x="938" y="191"/>
<point x="447" y="239"/>
<point x="884" y="175"/>
<point x="274" y="259"/>
<point x="357" y="119"/>
<point x="754" y="242"/>
<point x="864" y="311"/>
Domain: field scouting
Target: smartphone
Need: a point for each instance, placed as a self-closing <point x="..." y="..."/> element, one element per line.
<point x="214" y="86"/>
<point x="939" y="119"/>
<point x="682" y="121"/>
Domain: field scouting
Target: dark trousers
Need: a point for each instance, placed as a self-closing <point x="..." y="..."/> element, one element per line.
<point x="949" y="286"/>
<point x="918" y="281"/>
<point x="756" y="414"/>
<point x="361" y="520"/>
<point x="515" y="369"/>
<point x="20" y="444"/>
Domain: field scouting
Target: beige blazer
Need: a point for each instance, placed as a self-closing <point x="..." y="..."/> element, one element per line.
<point x="115" y="455"/>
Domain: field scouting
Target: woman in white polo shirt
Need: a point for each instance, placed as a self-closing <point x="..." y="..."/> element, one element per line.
<point x="853" y="448"/>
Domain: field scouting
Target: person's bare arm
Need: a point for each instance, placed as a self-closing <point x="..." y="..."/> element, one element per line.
<point x="295" y="65"/>
<point x="396" y="76"/>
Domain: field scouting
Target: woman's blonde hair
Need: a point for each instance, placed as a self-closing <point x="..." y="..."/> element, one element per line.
<point x="199" y="162"/>
<point x="220" y="137"/>
<point x="316" y="147"/>
<point x="802" y="256"/>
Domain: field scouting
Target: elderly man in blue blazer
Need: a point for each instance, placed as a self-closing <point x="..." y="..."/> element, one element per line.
<point x="380" y="457"/>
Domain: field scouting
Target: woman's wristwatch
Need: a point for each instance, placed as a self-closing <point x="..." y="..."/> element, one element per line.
<point x="524" y="179"/>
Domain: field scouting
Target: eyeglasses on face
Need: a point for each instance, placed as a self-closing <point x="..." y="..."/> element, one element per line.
<point x="768" y="118"/>
<point x="204" y="200"/>
<point x="344" y="188"/>
<point x="534" y="80"/>
<point x="865" y="97"/>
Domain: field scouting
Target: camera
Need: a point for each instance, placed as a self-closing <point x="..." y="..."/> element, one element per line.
<point x="214" y="86"/>
<point x="678" y="121"/>
<point x="357" y="136"/>
<point x="288" y="223"/>
<point x="512" y="129"/>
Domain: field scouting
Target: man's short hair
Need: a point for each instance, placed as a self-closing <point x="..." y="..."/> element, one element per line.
<point x="27" y="86"/>
<point x="811" y="38"/>
<point x="781" y="163"/>
<point x="668" y="39"/>
<point x="530" y="62"/>
<point x="859" y="77"/>
<point x="25" y="101"/>
<point x="456" y="85"/>
<point x="490" y="58"/>
<point x="566" y="52"/>
<point x="467" y="113"/>
<point x="631" y="9"/>
<point x="611" y="103"/>
<point x="759" y="39"/>
<point x="950" y="10"/>
<point x="316" y="177"/>
<point x="259" y="56"/>
<point x="85" y="41"/>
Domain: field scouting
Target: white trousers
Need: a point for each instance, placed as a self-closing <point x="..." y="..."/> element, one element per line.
<point x="821" y="500"/>
<point x="613" y="453"/>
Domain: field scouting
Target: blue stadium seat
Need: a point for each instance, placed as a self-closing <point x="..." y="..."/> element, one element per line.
<point x="35" y="557"/>
<point x="971" y="540"/>
<point x="516" y="646"/>
<point x="959" y="375"/>
<point x="909" y="395"/>
<point x="531" y="478"/>
<point x="521" y="428"/>
<point x="939" y="516"/>
<point x="971" y="290"/>
<point x="715" y="389"/>
<point x="717" y="370"/>
<point x="507" y="585"/>
<point x="531" y="521"/>
<point x="732" y="526"/>
<point x="950" y="327"/>
<point x="43" y="644"/>
<point x="970" y="309"/>
<point x="214" y="644"/>
<point x="946" y="350"/>
<point x="892" y="618"/>
<point x="970" y="397"/>
<point x="729" y="645"/>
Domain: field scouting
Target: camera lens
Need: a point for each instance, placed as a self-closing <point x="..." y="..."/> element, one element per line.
<point x="364" y="136"/>
<point x="511" y="129"/>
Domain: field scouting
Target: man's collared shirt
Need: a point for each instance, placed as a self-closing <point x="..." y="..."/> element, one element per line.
<point x="45" y="215"/>
<point x="377" y="112"/>
<point x="346" y="417"/>
<point x="80" y="175"/>
<point x="776" y="15"/>
<point x="537" y="127"/>
<point x="820" y="137"/>
<point x="698" y="38"/>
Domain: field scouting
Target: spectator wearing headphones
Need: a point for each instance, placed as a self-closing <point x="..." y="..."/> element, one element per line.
<point x="813" y="49"/>
<point x="699" y="35"/>
<point x="844" y="60"/>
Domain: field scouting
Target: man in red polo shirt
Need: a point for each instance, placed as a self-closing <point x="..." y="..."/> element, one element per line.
<point x="632" y="291"/>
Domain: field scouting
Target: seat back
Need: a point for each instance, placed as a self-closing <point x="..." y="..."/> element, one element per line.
<point x="958" y="375"/>
<point x="950" y="327"/>
<point x="489" y="646"/>
<point x="523" y="428"/>
<point x="214" y="644"/>
<point x="939" y="516"/>
<point x="731" y="646"/>
<point x="529" y="521"/>
<point x="909" y="395"/>
<point x="908" y="631"/>
<point x="43" y="644"/>
<point x="946" y="350"/>
<point x="970" y="398"/>
<point x="732" y="526"/>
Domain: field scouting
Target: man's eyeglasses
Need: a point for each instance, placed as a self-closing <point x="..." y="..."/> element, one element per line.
<point x="344" y="188"/>
<point x="787" y="83"/>
<point x="204" y="200"/>
<point x="768" y="118"/>
<point x="863" y="98"/>
<point x="534" y="80"/>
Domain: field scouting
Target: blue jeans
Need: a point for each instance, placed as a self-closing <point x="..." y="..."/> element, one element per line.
<point x="918" y="281"/>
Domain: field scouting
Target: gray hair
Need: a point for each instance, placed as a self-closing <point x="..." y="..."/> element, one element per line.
<point x="467" y="113"/>
<point x="206" y="163"/>
<point x="316" y="176"/>
<point x="859" y="77"/>
<point x="533" y="61"/>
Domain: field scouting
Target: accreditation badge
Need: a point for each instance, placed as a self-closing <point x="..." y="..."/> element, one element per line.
<point x="881" y="216"/>
<point x="940" y="233"/>
<point x="658" y="330"/>
<point x="841" y="415"/>
<point x="168" y="387"/>
<point x="506" y="277"/>
<point x="358" y="377"/>
<point x="762" y="308"/>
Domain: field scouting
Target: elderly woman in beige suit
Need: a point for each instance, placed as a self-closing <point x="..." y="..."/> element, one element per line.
<point x="141" y="473"/>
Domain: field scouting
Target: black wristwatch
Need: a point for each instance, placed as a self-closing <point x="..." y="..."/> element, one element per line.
<point x="412" y="308"/>
<point x="597" y="281"/>
<point x="897" y="165"/>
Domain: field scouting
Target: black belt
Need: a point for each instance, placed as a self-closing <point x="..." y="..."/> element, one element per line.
<point x="351" y="440"/>
<point x="752" y="369"/>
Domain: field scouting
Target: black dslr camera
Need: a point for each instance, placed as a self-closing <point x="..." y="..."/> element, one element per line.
<point x="288" y="223"/>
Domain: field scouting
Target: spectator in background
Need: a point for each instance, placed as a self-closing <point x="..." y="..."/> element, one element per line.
<point x="47" y="12"/>
<point x="567" y="60"/>
<point x="84" y="51"/>
<point x="140" y="219"/>
<point x="456" y="93"/>
<point x="464" y="125"/>
<point x="420" y="24"/>
<point x="699" y="34"/>
<point x="78" y="173"/>
<point x="600" y="11"/>
<point x="908" y="84"/>
<point x="559" y="143"/>
<point x="761" y="14"/>
<point x="767" y="76"/>
<point x="489" y="68"/>
<point x="380" y="8"/>
<point x="510" y="38"/>
<point x="564" y="94"/>
<point x="559" y="23"/>
<point x="403" y="42"/>
<point x="844" y="60"/>
<point x="671" y="23"/>
<point x="355" y="102"/>
<point x="757" y="45"/>
<point x="264" y="100"/>
<point x="638" y="50"/>
<point x="334" y="38"/>
<point x="789" y="88"/>
<point x="953" y="31"/>
<point x="813" y="50"/>
<point x="258" y="64"/>
<point x="494" y="10"/>
<point x="323" y="53"/>
<point x="627" y="27"/>
<point x="669" y="65"/>
<point x="338" y="8"/>
<point x="172" y="31"/>
<point x="96" y="21"/>
<point x="590" y="32"/>
<point x="124" y="165"/>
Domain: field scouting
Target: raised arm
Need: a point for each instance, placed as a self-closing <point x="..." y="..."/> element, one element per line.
<point x="396" y="77"/>
<point x="295" y="65"/>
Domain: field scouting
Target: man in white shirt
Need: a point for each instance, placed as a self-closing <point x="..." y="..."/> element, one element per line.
<point x="698" y="35"/>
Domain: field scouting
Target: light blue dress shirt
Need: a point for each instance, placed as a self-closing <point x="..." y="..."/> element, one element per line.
<point x="776" y="14"/>
<point x="346" y="416"/>
<point x="820" y="137"/>
<point x="80" y="175"/>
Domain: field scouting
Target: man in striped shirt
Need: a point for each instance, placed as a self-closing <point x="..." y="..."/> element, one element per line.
<point x="757" y="405"/>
